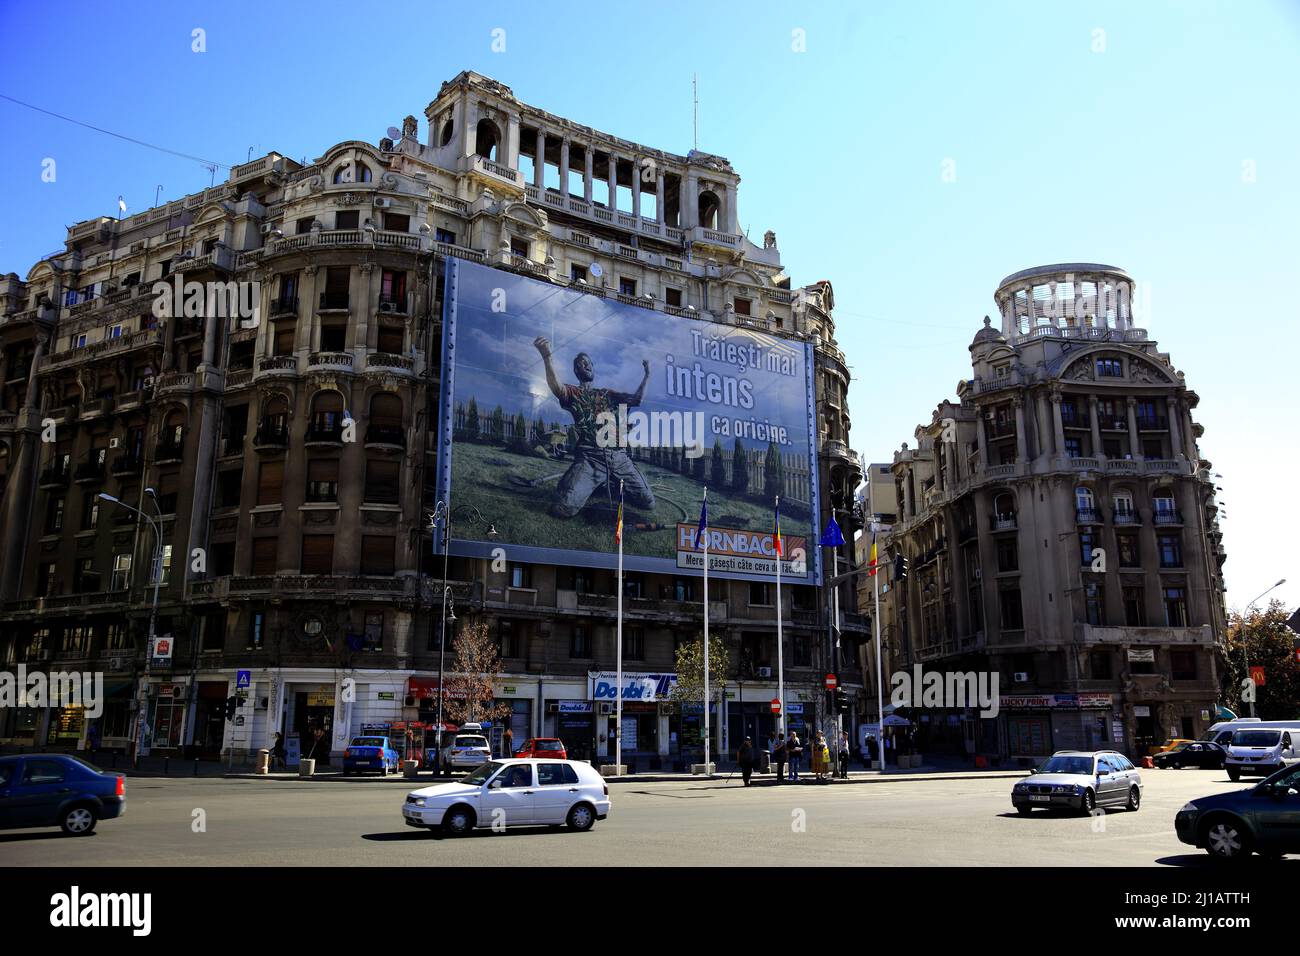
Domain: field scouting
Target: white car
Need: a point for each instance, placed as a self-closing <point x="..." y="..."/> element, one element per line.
<point x="465" y="751"/>
<point x="512" y="793"/>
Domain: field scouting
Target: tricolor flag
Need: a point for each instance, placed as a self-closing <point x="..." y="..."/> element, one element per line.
<point x="776" y="523"/>
<point x="701" y="535"/>
<point x="618" y="528"/>
<point x="121" y="204"/>
<point x="871" y="563"/>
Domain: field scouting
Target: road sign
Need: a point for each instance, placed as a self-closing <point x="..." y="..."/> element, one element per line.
<point x="776" y="705"/>
<point x="831" y="681"/>
<point x="243" y="678"/>
<point x="1257" y="675"/>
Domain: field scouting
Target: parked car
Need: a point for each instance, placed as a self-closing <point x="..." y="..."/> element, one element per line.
<point x="58" y="790"/>
<point x="1193" y="753"/>
<point x="1264" y="819"/>
<point x="365" y="754"/>
<point x="551" y="747"/>
<point x="1080" y="780"/>
<point x="465" y="750"/>
<point x="517" y="792"/>
<point x="1262" y="750"/>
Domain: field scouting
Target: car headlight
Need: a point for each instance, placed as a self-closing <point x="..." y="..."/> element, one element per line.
<point x="1065" y="788"/>
<point x="418" y="802"/>
<point x="1019" y="788"/>
<point x="1190" y="808"/>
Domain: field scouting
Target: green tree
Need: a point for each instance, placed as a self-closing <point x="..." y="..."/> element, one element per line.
<point x="690" y="668"/>
<point x="1264" y="636"/>
<point x="771" y="471"/>
<point x="520" y="429"/>
<point x="718" y="468"/>
<point x="471" y="420"/>
<point x="739" y="469"/>
<point x="499" y="425"/>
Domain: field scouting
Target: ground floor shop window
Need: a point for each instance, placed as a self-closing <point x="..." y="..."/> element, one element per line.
<point x="66" y="725"/>
<point x="1029" y="736"/>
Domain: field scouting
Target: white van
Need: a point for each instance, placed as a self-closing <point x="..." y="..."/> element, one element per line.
<point x="1261" y="749"/>
<point x="1221" y="733"/>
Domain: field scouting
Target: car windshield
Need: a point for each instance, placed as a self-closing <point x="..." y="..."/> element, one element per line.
<point x="1256" y="738"/>
<point x="1182" y="746"/>
<point x="369" y="742"/>
<point x="480" y="775"/>
<point x="464" y="741"/>
<point x="1078" y="765"/>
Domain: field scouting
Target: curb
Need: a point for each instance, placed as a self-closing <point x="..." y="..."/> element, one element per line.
<point x="764" y="781"/>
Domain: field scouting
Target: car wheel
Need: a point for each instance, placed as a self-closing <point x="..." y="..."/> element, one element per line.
<point x="459" y="821"/>
<point x="78" y="821"/>
<point x="1234" y="774"/>
<point x="582" y="817"/>
<point x="1134" y="798"/>
<point x="1089" y="802"/>
<point x="1226" y="839"/>
<point x="1178" y="765"/>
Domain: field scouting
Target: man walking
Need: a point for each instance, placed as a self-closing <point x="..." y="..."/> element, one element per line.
<point x="779" y="757"/>
<point x="508" y="743"/>
<point x="844" y="755"/>
<point x="794" y="751"/>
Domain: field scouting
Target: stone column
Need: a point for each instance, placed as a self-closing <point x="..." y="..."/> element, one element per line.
<point x="660" y="214"/>
<point x="510" y="148"/>
<point x="1058" y="428"/>
<point x="636" y="188"/>
<point x="1022" y="452"/>
<point x="539" y="162"/>
<point x="1096" y="427"/>
<point x="564" y="167"/>
<point x="588" y="171"/>
<point x="1134" y="442"/>
<point x="1040" y="423"/>
<point x="613" y="182"/>
<point x="979" y="437"/>
<point x="1175" y="433"/>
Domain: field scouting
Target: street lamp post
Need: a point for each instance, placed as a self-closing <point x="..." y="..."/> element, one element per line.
<point x="442" y="513"/>
<point x="1245" y="647"/>
<point x="142" y="694"/>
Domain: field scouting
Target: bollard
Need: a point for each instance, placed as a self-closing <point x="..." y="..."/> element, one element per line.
<point x="306" y="767"/>
<point x="196" y="766"/>
<point x="263" y="761"/>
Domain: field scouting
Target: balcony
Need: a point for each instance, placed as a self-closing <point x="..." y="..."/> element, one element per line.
<point x="334" y="302"/>
<point x="1167" y="517"/>
<point x="169" y="450"/>
<point x="388" y="362"/>
<point x="277" y="365"/>
<point x="238" y="378"/>
<point x="271" y="436"/>
<point x="284" y="306"/>
<point x="96" y="407"/>
<point x="340" y="361"/>
<point x="388" y="306"/>
<point x="174" y="383"/>
<point x="1002" y="522"/>
<point x="390" y="436"/>
<point x="127" y="463"/>
<point x="1087" y="516"/>
<point x="1152" y="423"/>
<point x="1003" y="429"/>
<point x="325" y="434"/>
<point x="54" y="476"/>
<point x="1112" y="423"/>
<point x="1129" y="518"/>
<point x="1083" y="464"/>
<point x="128" y="400"/>
<point x="90" y="471"/>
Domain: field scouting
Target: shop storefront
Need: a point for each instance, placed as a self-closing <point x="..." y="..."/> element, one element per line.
<point x="311" y="720"/>
<point x="166" y="720"/>
<point x="1038" y="725"/>
<point x="67" y="725"/>
<point x="209" y="719"/>
<point x="574" y="723"/>
<point x="647" y="714"/>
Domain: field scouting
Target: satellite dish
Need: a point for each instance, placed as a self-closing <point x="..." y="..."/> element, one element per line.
<point x="394" y="133"/>
<point x="596" y="270"/>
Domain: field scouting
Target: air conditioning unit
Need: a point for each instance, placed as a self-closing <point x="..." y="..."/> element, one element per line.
<point x="765" y="672"/>
<point x="114" y="442"/>
<point x="386" y="307"/>
<point x="408" y="701"/>
<point x="382" y="203"/>
<point x="1020" y="677"/>
<point x="606" y="708"/>
<point x="665" y="707"/>
<point x="552" y="708"/>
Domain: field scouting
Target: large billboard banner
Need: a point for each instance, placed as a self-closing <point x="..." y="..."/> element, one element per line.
<point x="552" y="398"/>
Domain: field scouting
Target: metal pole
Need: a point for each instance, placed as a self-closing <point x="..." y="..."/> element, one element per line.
<point x="880" y="686"/>
<point x="780" y="652"/>
<point x="835" y="652"/>
<point x="707" y="741"/>
<point x="442" y="632"/>
<point x="618" y="663"/>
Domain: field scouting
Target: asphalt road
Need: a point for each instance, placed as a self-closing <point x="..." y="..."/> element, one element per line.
<point x="966" y="822"/>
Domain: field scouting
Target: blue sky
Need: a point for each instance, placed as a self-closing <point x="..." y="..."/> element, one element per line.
<point x="1133" y="146"/>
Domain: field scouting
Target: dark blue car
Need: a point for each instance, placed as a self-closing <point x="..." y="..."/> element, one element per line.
<point x="1264" y="819"/>
<point x="57" y="790"/>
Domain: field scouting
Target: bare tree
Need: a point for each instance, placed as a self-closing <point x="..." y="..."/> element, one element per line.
<point x="471" y="686"/>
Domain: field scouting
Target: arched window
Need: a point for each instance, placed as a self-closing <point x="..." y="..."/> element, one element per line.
<point x="710" y="209"/>
<point x="326" y="423"/>
<point x="385" y="426"/>
<point x="349" y="174"/>
<point x="1004" y="508"/>
<point x="1084" y="502"/>
<point x="1123" y="503"/>
<point x="273" y="427"/>
<point x="487" y="139"/>
<point x="1162" y="501"/>
<point x="447" y="129"/>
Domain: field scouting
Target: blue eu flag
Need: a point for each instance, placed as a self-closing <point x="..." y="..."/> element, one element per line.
<point x="832" y="537"/>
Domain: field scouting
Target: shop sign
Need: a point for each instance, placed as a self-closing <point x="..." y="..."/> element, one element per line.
<point x="1056" y="702"/>
<point x="794" y="708"/>
<point x="507" y="690"/>
<point x="1142" y="654"/>
<point x="171" y="690"/>
<point x="160" y="651"/>
<point x="1141" y="710"/>
<point x="384" y="695"/>
<point x="320" y="700"/>
<point x="575" y="707"/>
<point x="636" y="685"/>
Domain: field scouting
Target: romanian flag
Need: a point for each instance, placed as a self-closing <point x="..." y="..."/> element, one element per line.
<point x="871" y="563"/>
<point x="776" y="520"/>
<point x="618" y="528"/>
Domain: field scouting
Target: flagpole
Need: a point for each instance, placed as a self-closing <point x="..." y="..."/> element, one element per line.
<point x="707" y="739"/>
<point x="880" y="687"/>
<point x="780" y="643"/>
<point x="618" y="680"/>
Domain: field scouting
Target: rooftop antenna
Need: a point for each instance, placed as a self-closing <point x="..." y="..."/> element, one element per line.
<point x="695" y="121"/>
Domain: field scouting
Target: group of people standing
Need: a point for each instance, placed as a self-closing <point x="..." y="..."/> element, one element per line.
<point x="788" y="752"/>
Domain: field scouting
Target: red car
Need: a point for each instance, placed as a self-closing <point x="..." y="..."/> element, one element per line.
<point x="551" y="747"/>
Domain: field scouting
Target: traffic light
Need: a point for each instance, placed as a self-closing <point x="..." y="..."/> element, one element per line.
<point x="841" y="702"/>
<point x="232" y="704"/>
<point x="900" y="567"/>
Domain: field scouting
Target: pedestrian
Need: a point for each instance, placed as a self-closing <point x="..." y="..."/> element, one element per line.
<point x="794" y="752"/>
<point x="92" y="737"/>
<point x="745" y="759"/>
<point x="821" y="758"/>
<point x="278" y="752"/>
<point x="872" y="751"/>
<point x="844" y="755"/>
<point x="779" y="757"/>
<point x="508" y="743"/>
